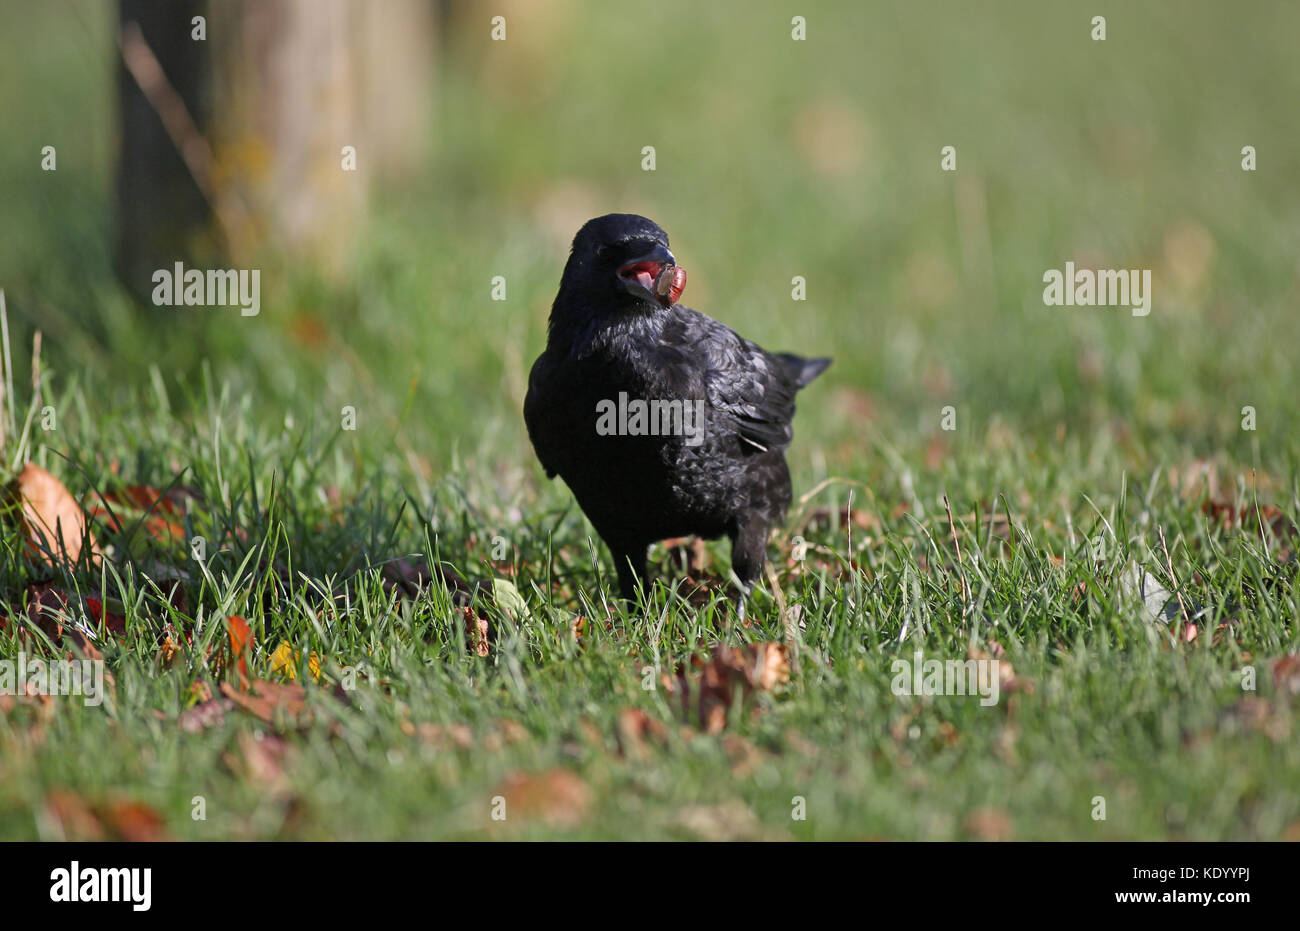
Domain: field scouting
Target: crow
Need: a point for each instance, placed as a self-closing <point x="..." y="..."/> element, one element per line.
<point x="662" y="421"/>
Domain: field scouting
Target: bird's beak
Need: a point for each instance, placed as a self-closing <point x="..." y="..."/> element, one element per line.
<point x="654" y="276"/>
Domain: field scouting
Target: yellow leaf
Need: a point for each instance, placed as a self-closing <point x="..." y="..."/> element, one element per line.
<point x="285" y="660"/>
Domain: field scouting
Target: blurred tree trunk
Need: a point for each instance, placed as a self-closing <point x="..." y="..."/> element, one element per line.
<point x="235" y="146"/>
<point x="160" y="213"/>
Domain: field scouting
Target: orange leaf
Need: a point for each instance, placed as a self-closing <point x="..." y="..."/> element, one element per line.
<point x="52" y="520"/>
<point x="148" y="500"/>
<point x="113" y="819"/>
<point x="241" y="639"/>
<point x="132" y="821"/>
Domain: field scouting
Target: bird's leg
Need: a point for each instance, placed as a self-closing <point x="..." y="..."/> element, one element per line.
<point x="748" y="554"/>
<point x="742" y="601"/>
<point x="629" y="561"/>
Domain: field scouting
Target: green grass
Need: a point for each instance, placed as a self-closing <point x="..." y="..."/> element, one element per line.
<point x="1082" y="435"/>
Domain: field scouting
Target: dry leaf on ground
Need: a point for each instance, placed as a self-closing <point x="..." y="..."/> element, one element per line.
<point x="48" y="608"/>
<point x="478" y="631"/>
<point x="272" y="702"/>
<point x="636" y="731"/>
<point x="440" y="736"/>
<point x="408" y="577"/>
<point x="52" y="520"/>
<point x="990" y="824"/>
<point x="1286" y="674"/>
<point x="729" y="674"/>
<point x="260" y="758"/>
<point x="160" y="514"/>
<point x="112" y="819"/>
<point x="1008" y="681"/>
<point x="554" y="796"/>
<point x="505" y="732"/>
<point x="204" y="715"/>
<point x="1253" y="714"/>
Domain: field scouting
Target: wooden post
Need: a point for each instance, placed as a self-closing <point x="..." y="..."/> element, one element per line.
<point x="236" y="144"/>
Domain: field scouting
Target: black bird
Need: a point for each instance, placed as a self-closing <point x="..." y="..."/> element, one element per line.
<point x="617" y="337"/>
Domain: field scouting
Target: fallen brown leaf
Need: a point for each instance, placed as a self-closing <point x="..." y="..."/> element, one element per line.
<point x="744" y="756"/>
<point x="38" y="700"/>
<point x="440" y="736"/>
<point x="273" y="702"/>
<point x="408" y="577"/>
<point x="48" y="608"/>
<point x="52" y="611"/>
<point x="823" y="520"/>
<point x="554" y="796"/>
<point x="1254" y="519"/>
<point x="204" y="715"/>
<point x="52" y="520"/>
<point x="1253" y="714"/>
<point x="478" y="631"/>
<point x="636" y="729"/>
<point x="112" y="819"/>
<point x="1008" y="682"/>
<point x="132" y="821"/>
<point x="730" y="674"/>
<point x="505" y="732"/>
<point x="989" y="824"/>
<point x="27" y="717"/>
<point x="261" y="759"/>
<point x="153" y="507"/>
<point x="73" y="815"/>
<point x="1286" y="674"/>
<point x="168" y="652"/>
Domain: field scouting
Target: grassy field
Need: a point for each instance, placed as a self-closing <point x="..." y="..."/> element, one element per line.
<point x="1096" y="455"/>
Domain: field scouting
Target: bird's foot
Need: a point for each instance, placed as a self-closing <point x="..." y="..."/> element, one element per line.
<point x="742" y="603"/>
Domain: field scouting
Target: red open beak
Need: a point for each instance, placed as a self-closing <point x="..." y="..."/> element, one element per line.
<point x="656" y="275"/>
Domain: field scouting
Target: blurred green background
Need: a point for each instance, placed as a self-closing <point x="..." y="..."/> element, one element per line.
<point x="775" y="158"/>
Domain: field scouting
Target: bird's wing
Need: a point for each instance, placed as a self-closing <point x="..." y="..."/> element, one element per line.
<point x="750" y="390"/>
<point x="537" y="411"/>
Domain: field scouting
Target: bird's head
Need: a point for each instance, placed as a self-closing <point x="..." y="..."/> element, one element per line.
<point x="622" y="260"/>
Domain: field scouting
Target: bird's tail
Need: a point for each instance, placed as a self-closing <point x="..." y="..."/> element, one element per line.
<point x="804" y="370"/>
